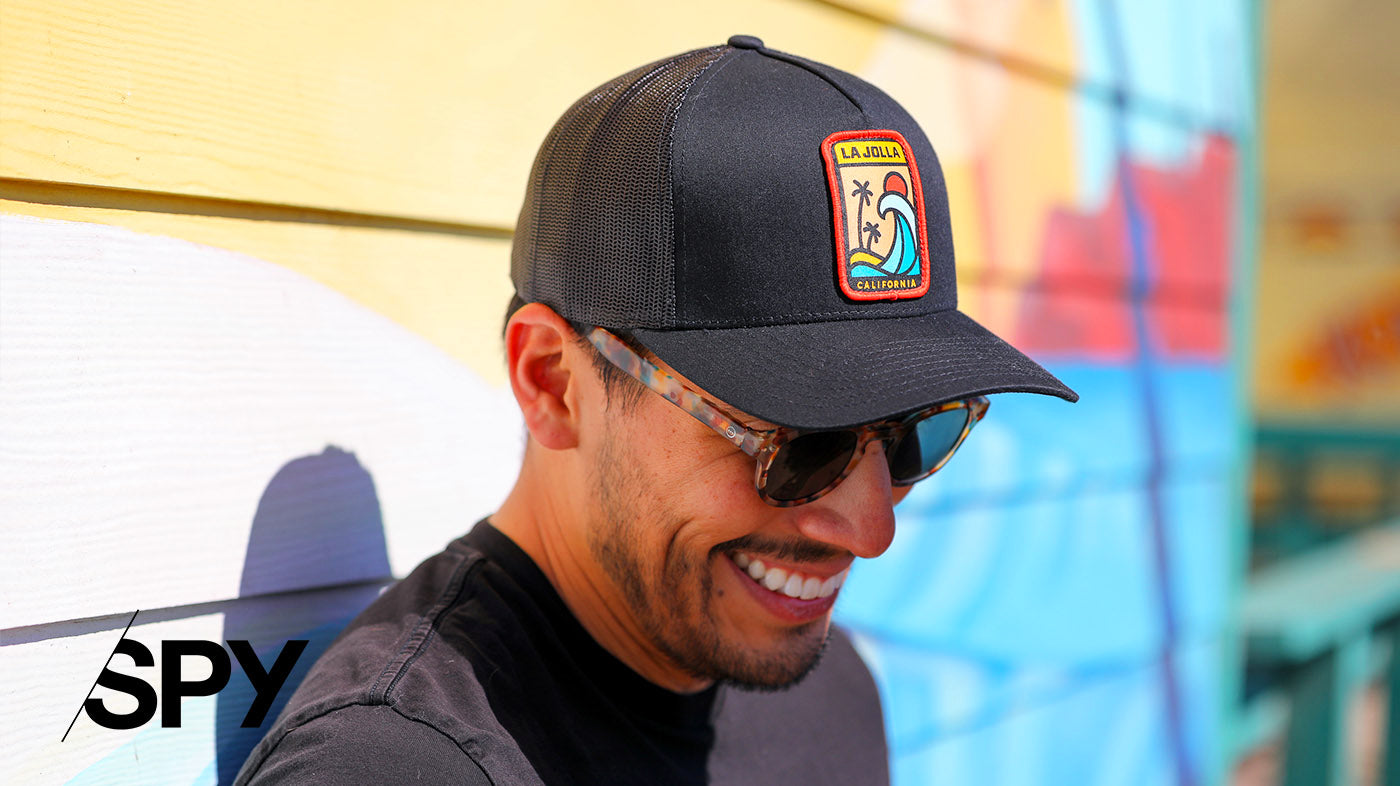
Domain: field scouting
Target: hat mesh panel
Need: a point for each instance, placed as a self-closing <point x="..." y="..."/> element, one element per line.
<point x="594" y="240"/>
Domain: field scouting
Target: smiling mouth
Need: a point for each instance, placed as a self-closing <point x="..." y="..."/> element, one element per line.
<point x="788" y="582"/>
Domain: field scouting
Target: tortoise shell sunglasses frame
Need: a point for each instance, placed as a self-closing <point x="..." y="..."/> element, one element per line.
<point x="764" y="445"/>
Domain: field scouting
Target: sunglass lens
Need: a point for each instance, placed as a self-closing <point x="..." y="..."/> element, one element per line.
<point x="926" y="445"/>
<point x="808" y="464"/>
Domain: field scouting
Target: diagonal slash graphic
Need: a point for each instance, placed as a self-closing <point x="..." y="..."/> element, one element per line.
<point x="99" y="675"/>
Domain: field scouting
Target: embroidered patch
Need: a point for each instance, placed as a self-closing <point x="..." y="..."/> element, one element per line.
<point x="878" y="205"/>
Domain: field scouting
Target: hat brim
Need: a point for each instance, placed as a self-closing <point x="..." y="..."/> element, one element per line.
<point x="822" y="375"/>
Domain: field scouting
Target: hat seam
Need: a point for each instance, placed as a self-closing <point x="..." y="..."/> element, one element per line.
<point x="805" y="66"/>
<point x="627" y="92"/>
<point x="784" y="320"/>
<point x="788" y="319"/>
<point x="677" y="178"/>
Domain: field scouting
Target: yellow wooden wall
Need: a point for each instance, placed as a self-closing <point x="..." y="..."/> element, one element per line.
<point x="382" y="149"/>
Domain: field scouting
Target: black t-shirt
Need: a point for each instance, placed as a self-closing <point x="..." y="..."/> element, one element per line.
<point x="473" y="671"/>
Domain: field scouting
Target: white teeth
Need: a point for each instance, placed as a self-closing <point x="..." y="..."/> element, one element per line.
<point x="757" y="569"/>
<point x="793" y="585"/>
<point x="832" y="584"/>
<point x="776" y="578"/>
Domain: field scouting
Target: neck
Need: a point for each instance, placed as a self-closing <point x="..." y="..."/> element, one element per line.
<point x="544" y="517"/>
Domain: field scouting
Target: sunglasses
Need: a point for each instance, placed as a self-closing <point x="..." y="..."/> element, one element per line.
<point x="797" y="466"/>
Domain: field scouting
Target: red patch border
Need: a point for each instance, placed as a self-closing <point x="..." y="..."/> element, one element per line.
<point x="838" y="203"/>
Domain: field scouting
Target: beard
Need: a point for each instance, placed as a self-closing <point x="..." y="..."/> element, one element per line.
<point x="672" y="601"/>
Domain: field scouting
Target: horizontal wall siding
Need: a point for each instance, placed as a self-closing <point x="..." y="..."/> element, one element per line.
<point x="430" y="109"/>
<point x="167" y="402"/>
<point x="448" y="288"/>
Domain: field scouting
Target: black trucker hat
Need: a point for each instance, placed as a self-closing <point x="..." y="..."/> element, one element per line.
<point x="774" y="229"/>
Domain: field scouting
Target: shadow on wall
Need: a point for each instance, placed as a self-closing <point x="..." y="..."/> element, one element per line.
<point x="318" y="527"/>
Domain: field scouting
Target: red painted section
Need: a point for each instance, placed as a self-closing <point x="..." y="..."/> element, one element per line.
<point x="1065" y="324"/>
<point x="1078" y="308"/>
<point x="1190" y="214"/>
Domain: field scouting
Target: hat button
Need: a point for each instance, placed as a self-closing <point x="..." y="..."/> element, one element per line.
<point x="745" y="42"/>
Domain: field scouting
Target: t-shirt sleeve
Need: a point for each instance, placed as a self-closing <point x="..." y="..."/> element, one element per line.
<point x="364" y="744"/>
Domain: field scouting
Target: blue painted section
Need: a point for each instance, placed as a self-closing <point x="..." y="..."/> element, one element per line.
<point x="1015" y="624"/>
<point x="1139" y="227"/>
<point x="1031" y="446"/>
<point x="157" y="755"/>
<point x="1200" y="576"/>
<point x="1050" y="729"/>
<point x="1093" y="149"/>
<point x="1197" y="427"/>
<point x="1059" y="579"/>
<point x="1063" y="578"/>
<point x="1185" y="74"/>
<point x="958" y="721"/>
<point x="1185" y="60"/>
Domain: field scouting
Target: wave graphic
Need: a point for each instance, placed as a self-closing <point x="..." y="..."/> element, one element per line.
<point x="903" y="259"/>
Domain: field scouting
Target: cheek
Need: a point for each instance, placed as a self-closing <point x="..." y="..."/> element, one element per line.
<point x="716" y="503"/>
<point x="725" y="485"/>
<point x="693" y="473"/>
<point x="702" y="469"/>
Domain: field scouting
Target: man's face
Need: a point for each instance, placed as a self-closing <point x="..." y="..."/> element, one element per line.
<point x="677" y="526"/>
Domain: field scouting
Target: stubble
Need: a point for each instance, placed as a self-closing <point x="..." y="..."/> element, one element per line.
<point x="672" y="601"/>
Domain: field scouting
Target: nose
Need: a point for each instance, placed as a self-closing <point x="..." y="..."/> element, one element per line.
<point x="857" y="515"/>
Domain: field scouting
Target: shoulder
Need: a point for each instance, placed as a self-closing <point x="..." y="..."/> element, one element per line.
<point x="375" y="651"/>
<point x="390" y="701"/>
<point x="361" y="744"/>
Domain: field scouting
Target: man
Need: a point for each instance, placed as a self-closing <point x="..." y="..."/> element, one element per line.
<point x="735" y="346"/>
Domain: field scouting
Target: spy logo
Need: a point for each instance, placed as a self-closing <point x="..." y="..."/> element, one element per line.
<point x="878" y="206"/>
<point x="172" y="687"/>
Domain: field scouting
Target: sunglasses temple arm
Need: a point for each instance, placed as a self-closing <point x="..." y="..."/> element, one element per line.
<point x="671" y="389"/>
<point x="706" y="413"/>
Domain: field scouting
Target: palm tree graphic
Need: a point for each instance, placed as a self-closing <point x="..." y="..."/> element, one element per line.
<point x="863" y="191"/>
<point x="873" y="230"/>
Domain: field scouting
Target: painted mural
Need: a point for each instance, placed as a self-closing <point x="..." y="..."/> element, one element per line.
<point x="1054" y="608"/>
<point x="279" y="359"/>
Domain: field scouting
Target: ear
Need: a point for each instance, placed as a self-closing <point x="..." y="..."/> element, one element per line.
<point x="539" y="360"/>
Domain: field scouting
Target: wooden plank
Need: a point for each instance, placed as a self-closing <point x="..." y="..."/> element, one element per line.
<point x="451" y="289"/>
<point x="185" y="424"/>
<point x="427" y="109"/>
<point x="1300" y="608"/>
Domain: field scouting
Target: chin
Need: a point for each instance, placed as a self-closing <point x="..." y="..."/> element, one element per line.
<point x="782" y="670"/>
<point x="785" y="660"/>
